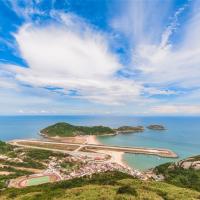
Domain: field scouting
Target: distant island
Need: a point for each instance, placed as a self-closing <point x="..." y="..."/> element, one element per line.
<point x="130" y="129"/>
<point x="156" y="127"/>
<point x="63" y="129"/>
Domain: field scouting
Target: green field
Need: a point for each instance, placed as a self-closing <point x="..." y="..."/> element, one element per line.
<point x="38" y="180"/>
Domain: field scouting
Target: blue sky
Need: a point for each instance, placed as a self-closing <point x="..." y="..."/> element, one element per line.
<point x="113" y="57"/>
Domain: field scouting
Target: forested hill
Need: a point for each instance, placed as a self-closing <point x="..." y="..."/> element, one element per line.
<point x="63" y="129"/>
<point x="108" y="185"/>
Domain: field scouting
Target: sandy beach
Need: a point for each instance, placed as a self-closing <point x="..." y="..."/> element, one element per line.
<point x="92" y="139"/>
<point x="115" y="156"/>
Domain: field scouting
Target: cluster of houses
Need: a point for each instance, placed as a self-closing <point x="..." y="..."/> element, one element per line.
<point x="88" y="167"/>
<point x="81" y="164"/>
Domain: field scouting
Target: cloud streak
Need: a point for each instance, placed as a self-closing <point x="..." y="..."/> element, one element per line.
<point x="160" y="62"/>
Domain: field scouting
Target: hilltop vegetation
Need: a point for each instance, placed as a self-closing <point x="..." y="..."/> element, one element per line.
<point x="176" y="174"/>
<point x="7" y="171"/>
<point x="5" y="148"/>
<point x="63" y="129"/>
<point x="16" y="162"/>
<point x="109" y="186"/>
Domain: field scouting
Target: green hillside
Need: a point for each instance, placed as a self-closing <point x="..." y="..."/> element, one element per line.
<point x="5" y="148"/>
<point x="179" y="183"/>
<point x="63" y="129"/>
<point x="105" y="186"/>
<point x="185" y="173"/>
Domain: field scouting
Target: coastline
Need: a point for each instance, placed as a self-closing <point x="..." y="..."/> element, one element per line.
<point x="92" y="139"/>
<point x="115" y="156"/>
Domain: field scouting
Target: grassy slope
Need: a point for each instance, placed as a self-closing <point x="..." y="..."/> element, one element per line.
<point x="105" y="186"/>
<point x="33" y="159"/>
<point x="5" y="148"/>
<point x="67" y="130"/>
<point x="188" y="178"/>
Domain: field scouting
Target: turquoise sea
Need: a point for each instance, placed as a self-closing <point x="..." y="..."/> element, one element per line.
<point x="182" y="134"/>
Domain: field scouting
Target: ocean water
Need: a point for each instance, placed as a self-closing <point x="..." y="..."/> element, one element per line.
<point x="182" y="134"/>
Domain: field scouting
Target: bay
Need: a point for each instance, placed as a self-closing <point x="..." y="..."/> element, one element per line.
<point x="182" y="134"/>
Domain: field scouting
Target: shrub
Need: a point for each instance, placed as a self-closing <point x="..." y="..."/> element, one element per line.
<point x="127" y="189"/>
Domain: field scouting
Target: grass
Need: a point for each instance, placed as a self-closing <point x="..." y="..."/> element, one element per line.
<point x="32" y="158"/>
<point x="8" y="150"/>
<point x="188" y="178"/>
<point x="27" y="163"/>
<point x="15" y="173"/>
<point x="40" y="154"/>
<point x="181" y="184"/>
<point x="104" y="186"/>
<point x="38" y="180"/>
<point x="5" y="148"/>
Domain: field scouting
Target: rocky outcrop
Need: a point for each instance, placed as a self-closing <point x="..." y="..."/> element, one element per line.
<point x="130" y="129"/>
<point x="156" y="127"/>
<point x="190" y="163"/>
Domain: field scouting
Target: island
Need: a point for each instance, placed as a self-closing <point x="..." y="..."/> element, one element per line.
<point x="83" y="138"/>
<point x="63" y="129"/>
<point x="156" y="127"/>
<point x="130" y="129"/>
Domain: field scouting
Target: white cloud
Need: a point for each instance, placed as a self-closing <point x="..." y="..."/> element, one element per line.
<point x="172" y="27"/>
<point x="6" y="80"/>
<point x="160" y="62"/>
<point x="142" y="21"/>
<point x="71" y="58"/>
<point x="176" y="109"/>
<point x="74" y="59"/>
<point x="7" y="84"/>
